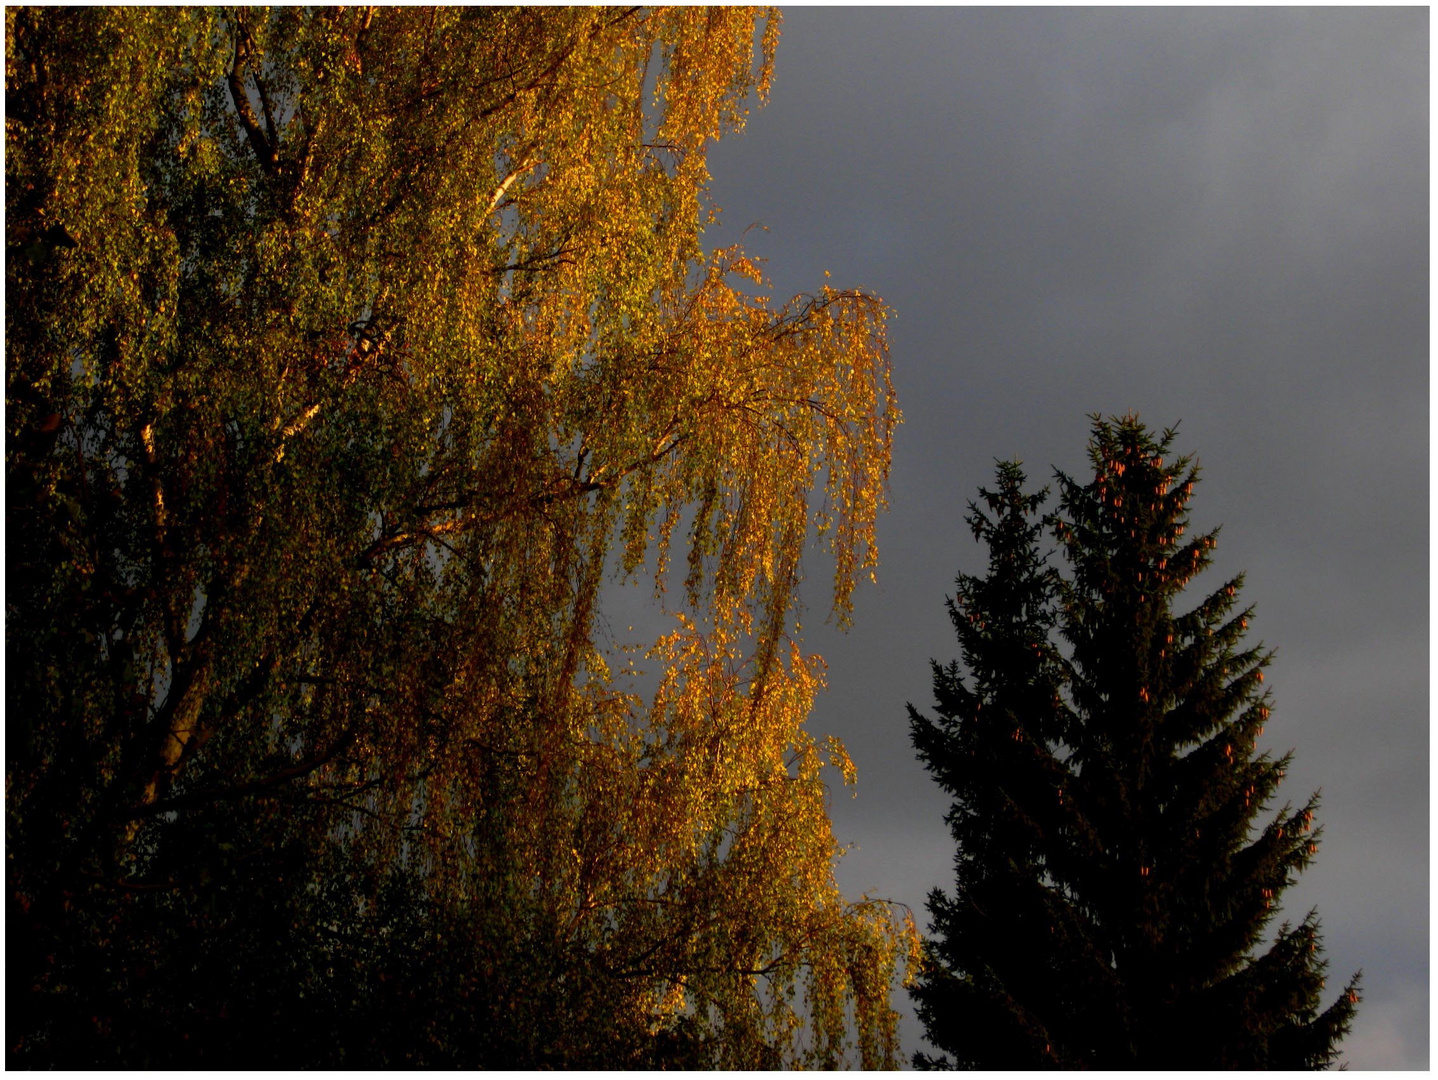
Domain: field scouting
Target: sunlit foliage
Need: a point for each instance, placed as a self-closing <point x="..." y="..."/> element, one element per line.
<point x="349" y="350"/>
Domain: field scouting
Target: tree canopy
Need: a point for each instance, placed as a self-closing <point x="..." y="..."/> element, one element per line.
<point x="349" y="352"/>
<point x="1118" y="867"/>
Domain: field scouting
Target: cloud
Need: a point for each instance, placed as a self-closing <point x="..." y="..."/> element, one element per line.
<point x="1215" y="215"/>
<point x="1391" y="1033"/>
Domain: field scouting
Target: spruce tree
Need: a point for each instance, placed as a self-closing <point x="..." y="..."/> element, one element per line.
<point x="1118" y="867"/>
<point x="991" y="749"/>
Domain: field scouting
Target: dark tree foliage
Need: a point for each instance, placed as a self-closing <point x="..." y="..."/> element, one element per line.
<point x="1117" y="868"/>
<point x="347" y="351"/>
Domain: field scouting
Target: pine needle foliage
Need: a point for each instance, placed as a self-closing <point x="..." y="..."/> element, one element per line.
<point x="1119" y="861"/>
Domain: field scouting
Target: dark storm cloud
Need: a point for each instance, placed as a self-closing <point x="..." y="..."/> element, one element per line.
<point x="1215" y="216"/>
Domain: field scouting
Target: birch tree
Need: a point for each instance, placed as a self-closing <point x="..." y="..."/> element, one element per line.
<point x="348" y="350"/>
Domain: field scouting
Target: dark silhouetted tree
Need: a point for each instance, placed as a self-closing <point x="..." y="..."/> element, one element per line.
<point x="1117" y="869"/>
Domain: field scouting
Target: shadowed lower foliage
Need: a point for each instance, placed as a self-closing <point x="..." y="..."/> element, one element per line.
<point x="1117" y="872"/>
<point x="348" y="350"/>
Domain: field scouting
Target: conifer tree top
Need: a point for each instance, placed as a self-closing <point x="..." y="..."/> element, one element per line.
<point x="1119" y="855"/>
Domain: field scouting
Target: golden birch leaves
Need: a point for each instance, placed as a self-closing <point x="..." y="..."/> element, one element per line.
<point x="398" y="334"/>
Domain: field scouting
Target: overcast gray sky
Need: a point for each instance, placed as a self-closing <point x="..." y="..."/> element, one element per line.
<point x="1218" y="217"/>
